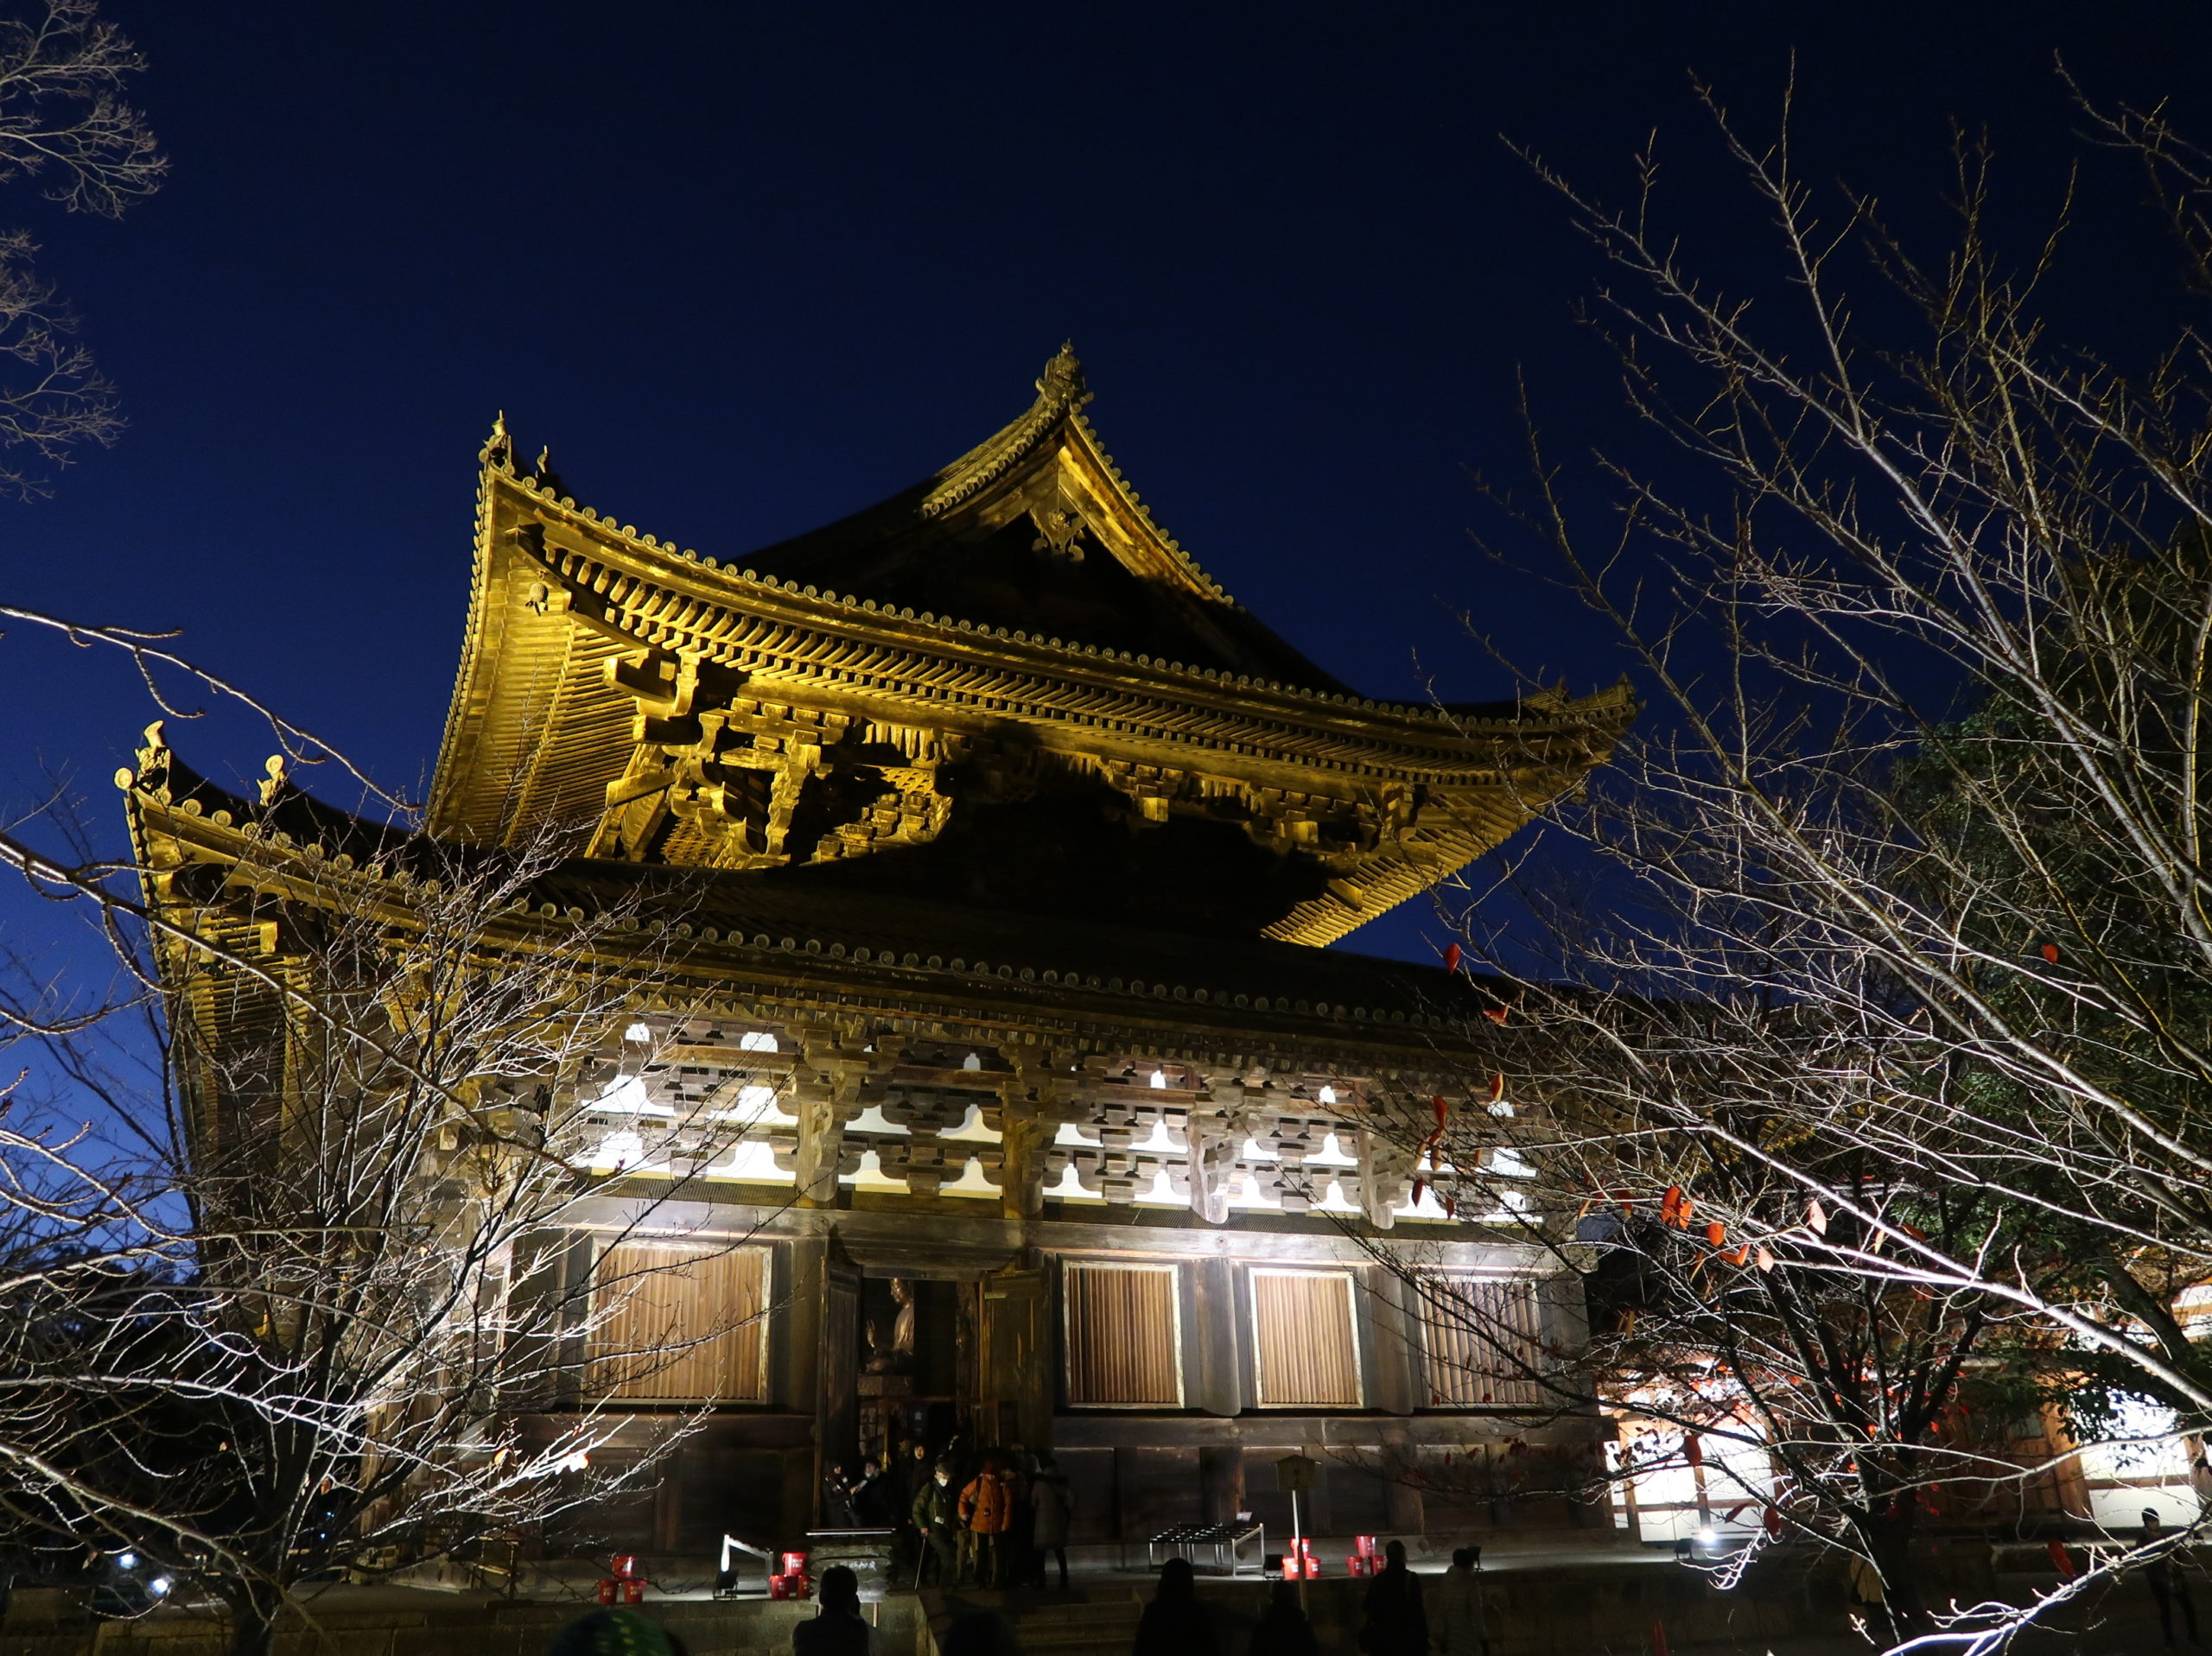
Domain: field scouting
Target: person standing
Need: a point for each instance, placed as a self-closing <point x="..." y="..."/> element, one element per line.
<point x="936" y="1517"/>
<point x="1455" y="1608"/>
<point x="986" y="1508"/>
<point x="914" y="1469"/>
<point x="1175" y="1623"/>
<point x="837" y="1499"/>
<point x="871" y="1493"/>
<point x="1051" y="1509"/>
<point x="1396" y="1624"/>
<point x="1020" y="1470"/>
<point x="2168" y="1585"/>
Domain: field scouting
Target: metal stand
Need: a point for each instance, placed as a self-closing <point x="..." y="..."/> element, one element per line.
<point x="726" y="1575"/>
<point x="1227" y="1542"/>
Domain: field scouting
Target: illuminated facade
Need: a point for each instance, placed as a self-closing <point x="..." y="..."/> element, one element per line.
<point x="994" y="847"/>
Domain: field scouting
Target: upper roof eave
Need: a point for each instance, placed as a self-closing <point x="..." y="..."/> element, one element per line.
<point x="687" y="575"/>
<point x="735" y="925"/>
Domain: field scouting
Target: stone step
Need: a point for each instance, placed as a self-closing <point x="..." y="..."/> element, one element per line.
<point x="1077" y="1625"/>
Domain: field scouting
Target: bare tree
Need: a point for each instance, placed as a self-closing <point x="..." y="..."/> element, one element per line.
<point x="64" y="125"/>
<point x="303" y="1329"/>
<point x="1885" y="952"/>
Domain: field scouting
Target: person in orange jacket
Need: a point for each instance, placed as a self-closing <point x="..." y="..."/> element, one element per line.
<point x="986" y="1508"/>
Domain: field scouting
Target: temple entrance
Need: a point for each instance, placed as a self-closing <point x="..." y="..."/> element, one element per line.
<point x="915" y="1339"/>
<point x="942" y="1361"/>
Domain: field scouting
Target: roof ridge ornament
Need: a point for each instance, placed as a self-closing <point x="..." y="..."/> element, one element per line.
<point x="498" y="450"/>
<point x="1062" y="393"/>
<point x="547" y="479"/>
<point x="1062" y="384"/>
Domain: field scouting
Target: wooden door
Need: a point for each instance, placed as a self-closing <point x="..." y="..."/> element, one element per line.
<point x="1016" y="1371"/>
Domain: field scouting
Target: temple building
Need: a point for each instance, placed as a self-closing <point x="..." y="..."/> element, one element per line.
<point x="1009" y="847"/>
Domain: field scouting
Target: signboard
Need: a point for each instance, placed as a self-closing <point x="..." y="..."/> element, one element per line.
<point x="1295" y="1474"/>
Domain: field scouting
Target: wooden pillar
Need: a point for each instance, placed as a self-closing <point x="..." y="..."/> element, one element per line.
<point x="1214" y="1379"/>
<point x="1387" y="1341"/>
<point x="1408" y="1513"/>
<point x="1221" y="1482"/>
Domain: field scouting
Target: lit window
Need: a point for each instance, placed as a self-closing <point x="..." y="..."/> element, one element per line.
<point x="1306" y="1351"/>
<point x="757" y="1040"/>
<point x="1480" y="1341"/>
<point x="637" y="1032"/>
<point x="1159" y="1078"/>
<point x="1124" y="1341"/>
<point x="973" y="1060"/>
<point x="680" y="1324"/>
<point x="1328" y="1095"/>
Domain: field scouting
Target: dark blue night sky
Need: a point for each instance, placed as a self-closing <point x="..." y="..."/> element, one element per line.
<point x="746" y="268"/>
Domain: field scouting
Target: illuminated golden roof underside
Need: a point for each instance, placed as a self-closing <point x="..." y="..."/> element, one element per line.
<point x="663" y="708"/>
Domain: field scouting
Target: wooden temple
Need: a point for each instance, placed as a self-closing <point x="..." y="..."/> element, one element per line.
<point x="996" y="849"/>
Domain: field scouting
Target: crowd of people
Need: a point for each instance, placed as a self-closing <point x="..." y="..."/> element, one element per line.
<point x="1398" y="1618"/>
<point x="1000" y="1517"/>
<point x="990" y="1519"/>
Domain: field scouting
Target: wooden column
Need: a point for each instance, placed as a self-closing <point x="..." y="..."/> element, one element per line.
<point x="1221" y="1482"/>
<point x="1213" y="1330"/>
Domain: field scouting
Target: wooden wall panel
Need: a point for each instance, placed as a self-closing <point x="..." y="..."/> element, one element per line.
<point x="682" y="1324"/>
<point x="1480" y="1339"/>
<point x="1124" y="1344"/>
<point x="1307" y="1353"/>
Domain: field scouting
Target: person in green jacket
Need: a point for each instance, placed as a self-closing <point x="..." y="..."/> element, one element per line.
<point x="936" y="1516"/>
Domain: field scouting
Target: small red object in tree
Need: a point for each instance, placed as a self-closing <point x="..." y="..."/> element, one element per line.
<point x="2051" y="953"/>
<point x="1716" y="1233"/>
<point x="1451" y="957"/>
<point x="1496" y="1014"/>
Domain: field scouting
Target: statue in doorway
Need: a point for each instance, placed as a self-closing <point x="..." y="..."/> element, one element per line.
<point x="892" y="1351"/>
